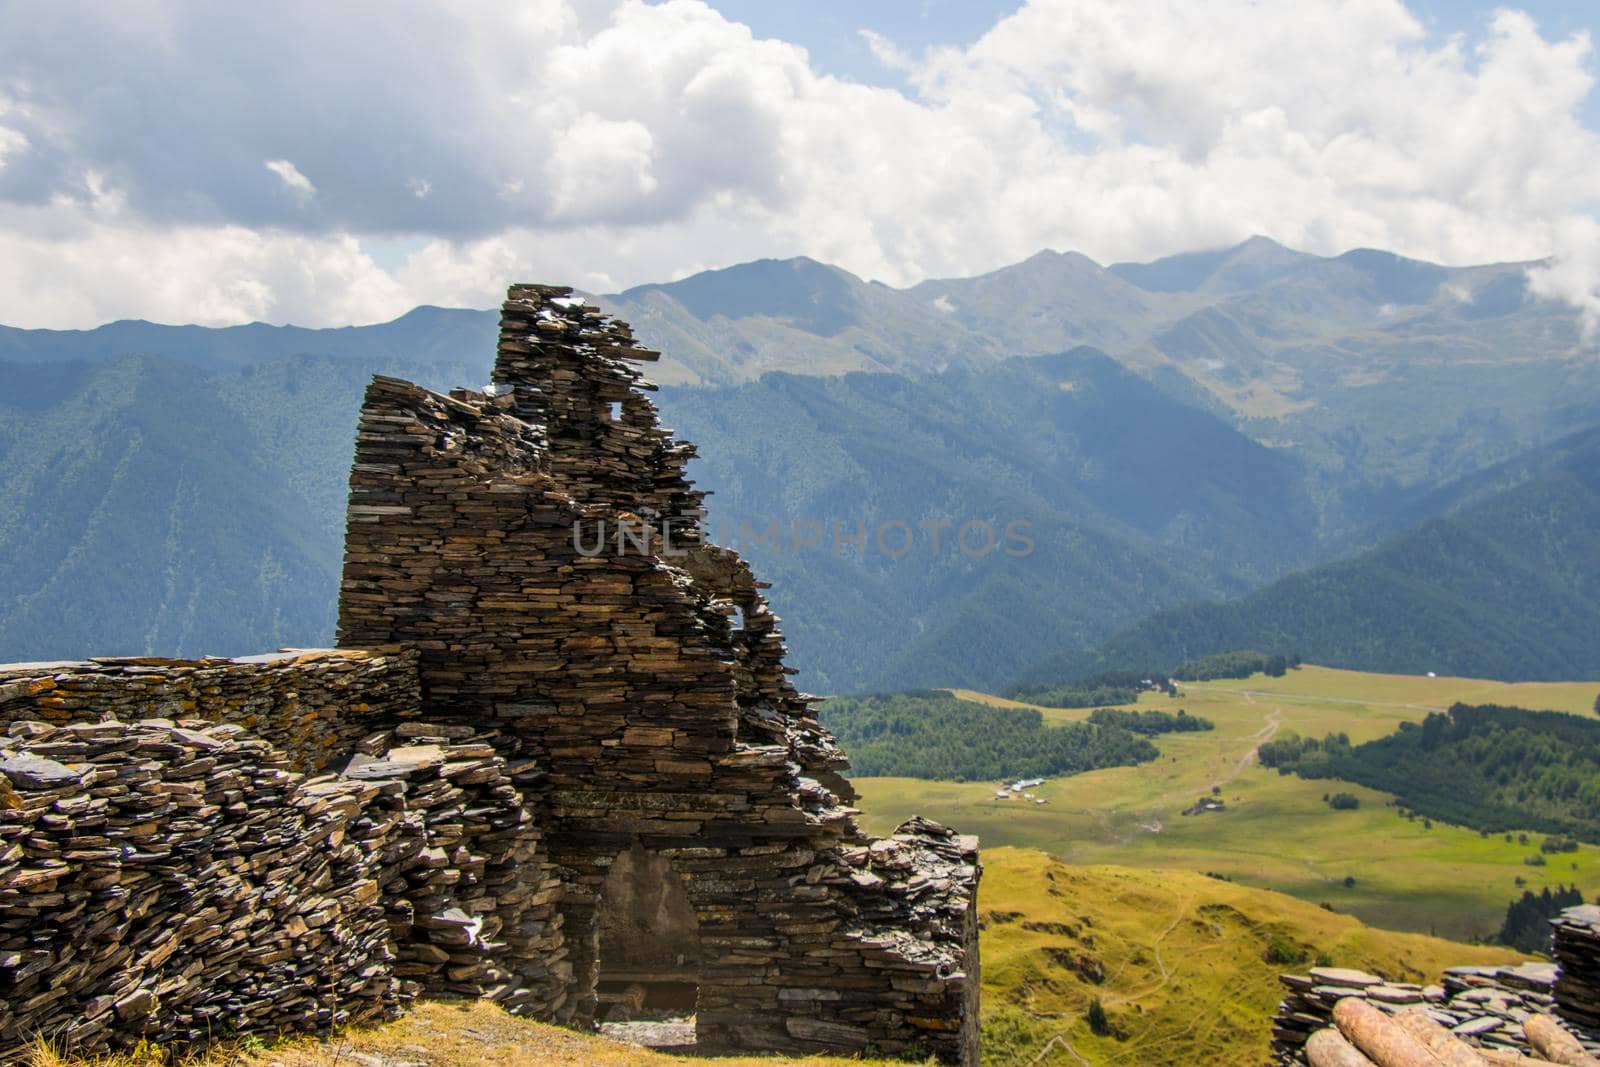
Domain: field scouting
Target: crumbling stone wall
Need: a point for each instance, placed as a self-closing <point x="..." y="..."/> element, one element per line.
<point x="179" y="883"/>
<point x="314" y="705"/>
<point x="614" y="665"/>
<point x="521" y="717"/>
<point x="176" y="881"/>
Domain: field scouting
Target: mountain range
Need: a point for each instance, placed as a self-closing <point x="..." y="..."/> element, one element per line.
<point x="1499" y="583"/>
<point x="1193" y="430"/>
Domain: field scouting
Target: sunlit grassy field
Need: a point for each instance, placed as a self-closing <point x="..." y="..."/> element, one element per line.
<point x="1277" y="832"/>
<point x="1185" y="966"/>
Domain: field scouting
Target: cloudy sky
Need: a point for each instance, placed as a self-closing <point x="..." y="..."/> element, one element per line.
<point x="340" y="163"/>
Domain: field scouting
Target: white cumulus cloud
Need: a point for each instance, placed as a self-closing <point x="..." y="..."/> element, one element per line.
<point x="291" y="177"/>
<point x="609" y="142"/>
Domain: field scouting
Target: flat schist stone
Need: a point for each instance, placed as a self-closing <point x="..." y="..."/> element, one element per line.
<point x="1586" y="913"/>
<point x="1341" y="976"/>
<point x="34" y="772"/>
<point x="1474" y="1027"/>
<point x="1392" y="995"/>
<point x="396" y="763"/>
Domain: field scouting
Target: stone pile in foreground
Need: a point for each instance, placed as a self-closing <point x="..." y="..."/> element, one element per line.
<point x="1485" y="1008"/>
<point x="176" y="881"/>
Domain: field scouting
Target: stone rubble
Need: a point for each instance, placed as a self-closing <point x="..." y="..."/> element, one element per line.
<point x="175" y="880"/>
<point x="1484" y="1006"/>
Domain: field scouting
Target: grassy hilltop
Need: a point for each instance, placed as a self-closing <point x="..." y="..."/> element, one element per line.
<point x="1185" y="966"/>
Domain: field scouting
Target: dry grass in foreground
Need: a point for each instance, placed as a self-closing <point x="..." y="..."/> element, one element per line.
<point x="436" y="1033"/>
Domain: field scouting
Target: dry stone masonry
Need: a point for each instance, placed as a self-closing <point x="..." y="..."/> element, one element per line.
<point x="540" y="548"/>
<point x="315" y="705"/>
<point x="557" y="753"/>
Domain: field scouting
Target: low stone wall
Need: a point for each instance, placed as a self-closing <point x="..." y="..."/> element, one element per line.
<point x="177" y="881"/>
<point x="181" y="884"/>
<point x="313" y="704"/>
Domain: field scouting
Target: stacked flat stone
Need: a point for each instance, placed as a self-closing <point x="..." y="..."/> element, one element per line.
<point x="1484" y="1006"/>
<point x="469" y="894"/>
<point x="175" y="880"/>
<point x="500" y="534"/>
<point x="1577" y="952"/>
<point x="569" y="371"/>
<point x="313" y="704"/>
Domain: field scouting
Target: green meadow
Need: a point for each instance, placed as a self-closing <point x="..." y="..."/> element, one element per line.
<point x="1276" y="832"/>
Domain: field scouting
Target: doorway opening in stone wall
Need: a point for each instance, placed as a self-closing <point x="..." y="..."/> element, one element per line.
<point x="649" y="967"/>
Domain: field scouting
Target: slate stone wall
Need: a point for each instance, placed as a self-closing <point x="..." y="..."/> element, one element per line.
<point x="516" y="704"/>
<point x="315" y="705"/>
<point x="176" y="881"/>
<point x="644" y="674"/>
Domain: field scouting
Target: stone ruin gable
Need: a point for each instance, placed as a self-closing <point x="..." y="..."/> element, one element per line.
<point x="176" y="881"/>
<point x="314" y="705"/>
<point x="649" y="687"/>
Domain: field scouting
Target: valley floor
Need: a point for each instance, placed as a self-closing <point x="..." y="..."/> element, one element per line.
<point x="1276" y="831"/>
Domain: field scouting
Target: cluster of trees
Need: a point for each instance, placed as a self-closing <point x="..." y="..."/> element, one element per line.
<point x="1238" y="664"/>
<point x="931" y="734"/>
<point x="1124" y="686"/>
<point x="1527" y="925"/>
<point x="1107" y="687"/>
<point x="1491" y="768"/>
<point x="1151" y="722"/>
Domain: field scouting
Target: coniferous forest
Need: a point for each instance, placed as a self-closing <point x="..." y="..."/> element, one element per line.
<point x="1487" y="767"/>
<point x="931" y="734"/>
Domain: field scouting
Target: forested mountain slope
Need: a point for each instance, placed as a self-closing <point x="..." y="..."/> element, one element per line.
<point x="1504" y="587"/>
<point x="152" y="507"/>
<point x="180" y="489"/>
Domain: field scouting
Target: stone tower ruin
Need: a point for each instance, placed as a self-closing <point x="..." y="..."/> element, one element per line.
<point x="539" y="548"/>
<point x="557" y="762"/>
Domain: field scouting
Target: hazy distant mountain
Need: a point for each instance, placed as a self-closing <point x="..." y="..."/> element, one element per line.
<point x="179" y="489"/>
<point x="1384" y="373"/>
<point x="150" y="507"/>
<point x="424" y="335"/>
<point x="1132" y="501"/>
<point x="1503" y="585"/>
